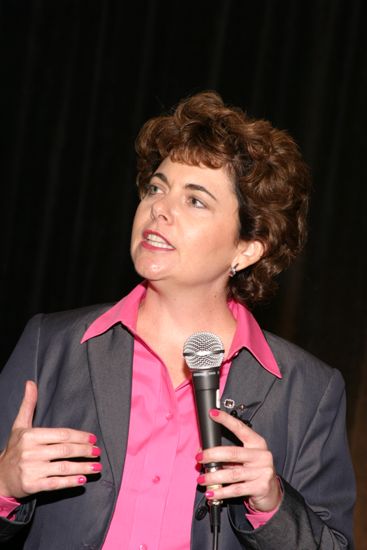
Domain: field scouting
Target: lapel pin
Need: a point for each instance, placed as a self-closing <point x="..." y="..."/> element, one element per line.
<point x="236" y="411"/>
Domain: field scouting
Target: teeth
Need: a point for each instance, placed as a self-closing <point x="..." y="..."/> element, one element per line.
<point x="157" y="241"/>
<point x="156" y="238"/>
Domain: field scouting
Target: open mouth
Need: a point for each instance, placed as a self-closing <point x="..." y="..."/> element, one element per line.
<point x="155" y="240"/>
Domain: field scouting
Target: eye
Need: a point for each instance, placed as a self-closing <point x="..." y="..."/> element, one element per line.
<point x="151" y="189"/>
<point x="196" y="203"/>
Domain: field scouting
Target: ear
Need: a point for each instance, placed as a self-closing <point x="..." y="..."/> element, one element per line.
<point x="249" y="252"/>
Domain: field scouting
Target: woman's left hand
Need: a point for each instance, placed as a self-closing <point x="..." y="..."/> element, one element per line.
<point x="246" y="472"/>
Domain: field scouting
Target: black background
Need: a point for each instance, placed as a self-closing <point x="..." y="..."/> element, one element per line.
<point x="78" y="79"/>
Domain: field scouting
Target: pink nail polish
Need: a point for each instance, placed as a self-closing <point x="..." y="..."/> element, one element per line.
<point x="92" y="439"/>
<point x="209" y="494"/>
<point x="97" y="467"/>
<point x="96" y="451"/>
<point x="201" y="479"/>
<point x="199" y="457"/>
<point x="214" y="412"/>
<point x="82" y="480"/>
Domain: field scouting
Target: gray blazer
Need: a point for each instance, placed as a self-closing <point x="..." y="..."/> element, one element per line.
<point x="87" y="386"/>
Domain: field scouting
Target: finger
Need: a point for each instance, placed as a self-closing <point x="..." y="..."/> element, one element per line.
<point x="228" y="476"/>
<point x="48" y="436"/>
<point x="263" y="501"/>
<point x="235" y="490"/>
<point x="27" y="407"/>
<point x="244" y="433"/>
<point x="234" y="455"/>
<point x="69" y="468"/>
<point x="56" y="483"/>
<point x="58" y="451"/>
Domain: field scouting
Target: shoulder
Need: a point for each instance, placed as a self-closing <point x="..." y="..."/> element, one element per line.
<point x="73" y="322"/>
<point x="301" y="367"/>
<point x="69" y="319"/>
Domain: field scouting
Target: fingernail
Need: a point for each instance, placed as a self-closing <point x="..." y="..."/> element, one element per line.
<point x="96" y="451"/>
<point x="97" y="467"/>
<point x="201" y="479"/>
<point x="92" y="439"/>
<point x="82" y="480"/>
<point x="209" y="494"/>
<point x="199" y="457"/>
<point x="214" y="412"/>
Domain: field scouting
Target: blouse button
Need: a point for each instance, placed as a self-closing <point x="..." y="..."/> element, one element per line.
<point x="156" y="479"/>
<point x="169" y="416"/>
<point x="143" y="547"/>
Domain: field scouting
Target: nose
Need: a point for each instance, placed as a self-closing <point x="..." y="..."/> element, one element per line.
<point x="161" y="208"/>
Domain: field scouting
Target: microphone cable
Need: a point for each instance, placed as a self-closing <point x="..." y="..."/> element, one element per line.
<point x="214" y="512"/>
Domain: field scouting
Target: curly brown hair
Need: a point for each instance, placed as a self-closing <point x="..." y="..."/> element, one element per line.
<point x="271" y="180"/>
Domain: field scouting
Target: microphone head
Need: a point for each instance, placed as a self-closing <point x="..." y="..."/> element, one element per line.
<point x="203" y="350"/>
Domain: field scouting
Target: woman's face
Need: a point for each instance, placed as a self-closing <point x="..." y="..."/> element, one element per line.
<point x="186" y="227"/>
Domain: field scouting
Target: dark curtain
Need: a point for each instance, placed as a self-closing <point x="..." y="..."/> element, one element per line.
<point x="78" y="79"/>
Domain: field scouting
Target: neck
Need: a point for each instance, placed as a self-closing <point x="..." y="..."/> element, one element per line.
<point x="188" y="311"/>
<point x="167" y="319"/>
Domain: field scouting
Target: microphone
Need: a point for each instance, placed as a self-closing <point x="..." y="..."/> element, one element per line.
<point x="203" y="353"/>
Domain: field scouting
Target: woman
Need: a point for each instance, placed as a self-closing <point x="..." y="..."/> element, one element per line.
<point x="111" y="458"/>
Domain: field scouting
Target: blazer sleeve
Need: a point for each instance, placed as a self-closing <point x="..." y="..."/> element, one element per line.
<point x="22" y="366"/>
<point x="316" y="511"/>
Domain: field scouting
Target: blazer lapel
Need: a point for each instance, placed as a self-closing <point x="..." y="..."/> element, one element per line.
<point x="247" y="386"/>
<point x="110" y="358"/>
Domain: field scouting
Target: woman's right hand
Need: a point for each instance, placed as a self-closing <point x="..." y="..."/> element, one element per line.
<point x="36" y="459"/>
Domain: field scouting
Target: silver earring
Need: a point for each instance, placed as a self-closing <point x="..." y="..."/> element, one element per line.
<point x="233" y="271"/>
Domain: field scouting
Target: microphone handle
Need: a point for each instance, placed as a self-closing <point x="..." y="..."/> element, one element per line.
<point x="206" y="389"/>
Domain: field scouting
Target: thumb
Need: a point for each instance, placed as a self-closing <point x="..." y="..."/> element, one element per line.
<point x="26" y="410"/>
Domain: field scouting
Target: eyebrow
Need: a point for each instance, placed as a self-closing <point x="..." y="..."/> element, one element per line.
<point x="192" y="186"/>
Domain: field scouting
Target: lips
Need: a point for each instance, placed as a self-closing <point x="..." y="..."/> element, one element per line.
<point x="154" y="240"/>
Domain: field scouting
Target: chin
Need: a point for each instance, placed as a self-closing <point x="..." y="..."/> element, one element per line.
<point x="149" y="272"/>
